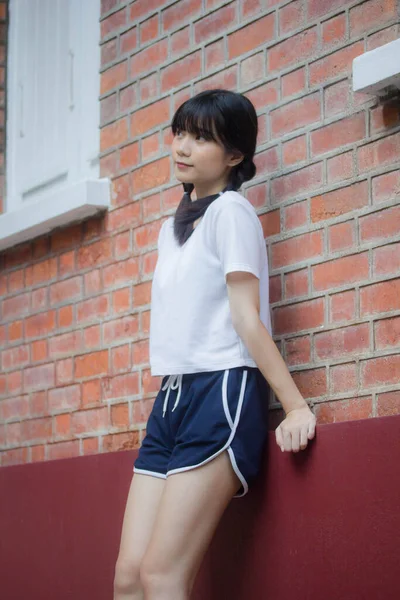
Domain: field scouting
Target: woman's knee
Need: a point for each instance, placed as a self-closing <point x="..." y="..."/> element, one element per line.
<point x="127" y="577"/>
<point x="156" y="577"/>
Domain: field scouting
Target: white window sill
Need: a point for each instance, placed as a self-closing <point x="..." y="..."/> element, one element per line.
<point x="64" y="206"/>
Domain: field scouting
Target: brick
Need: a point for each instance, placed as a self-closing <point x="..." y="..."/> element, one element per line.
<point x="65" y="344"/>
<point x="17" y="456"/>
<point x="141" y="8"/>
<point x="149" y="263"/>
<point x="64" y="371"/>
<point x="90" y="446"/>
<point x="92" y="309"/>
<point x="147" y="235"/>
<point x="344" y="410"/>
<point x="386" y="260"/>
<point x="252" y="69"/>
<point x="120" y="359"/>
<point x="91" y="337"/>
<point x="66" y="238"/>
<point x="150" y="385"/>
<point x="14" y="408"/>
<point x="141" y="353"/>
<point x="295" y="215"/>
<point x="294" y="151"/>
<point x="264" y="95"/>
<point x="311" y="383"/>
<point x="149" y="59"/>
<point x="63" y="450"/>
<point x="226" y="79"/>
<point x="381" y="153"/>
<point x="299" y="317"/>
<point x="380" y="297"/>
<point x="387" y="333"/>
<point x="251" y="7"/>
<point x="120" y="329"/>
<point x="151" y="206"/>
<point x="336" y="98"/>
<point x="215" y="23"/>
<point x="67" y="264"/>
<point x="298" y="351"/>
<point x="86" y="421"/>
<point x="92" y="364"/>
<point x="295" y="115"/>
<point x="113" y="23"/>
<point x="339" y="202"/>
<point x="15" y="307"/>
<point x="294" y="82"/>
<point x="65" y="316"/>
<point x="124" y="217"/>
<point x="294" y="184"/>
<point x="120" y="415"/>
<point x="335" y="64"/>
<point x="40" y="325"/>
<point x="343" y="342"/>
<point x="127" y="98"/>
<point x="291" y="17"/>
<point x="151" y="175"/>
<point x="40" y="377"/>
<point x="338" y="134"/>
<point x="334" y="31"/>
<point x="142" y="294"/>
<point x="122" y="245"/>
<point x="343" y="306"/>
<point x="296" y="284"/>
<point x="376" y="12"/>
<point x="297" y="249"/>
<point x="121" y="300"/>
<point x="292" y="51"/>
<point x="270" y="223"/>
<point x="388" y="404"/>
<point x="150" y="117"/>
<point x="62" y="426"/>
<point x="149" y="30"/>
<point x="108" y="165"/>
<point x="17" y="256"/>
<point x="36" y="430"/>
<point x="95" y="254"/>
<point x="380" y="38"/>
<point x="344" y="378"/>
<point x="342" y="236"/>
<point x="13" y="437"/>
<point x="180" y="42"/>
<point x="380" y="371"/>
<point x="257" y="195"/>
<point x="107" y="5"/>
<point x="215" y="55"/>
<point x="39" y="299"/>
<point x="385" y="116"/>
<point x="150" y="146"/>
<point x="267" y="161"/>
<point x="275" y="289"/>
<point x="41" y="272"/>
<point x="120" y="273"/>
<point x="251" y="36"/>
<point x="121" y="441"/>
<point x="39" y="351"/>
<point x="180" y="13"/>
<point x="384" y="224"/>
<point x="129" y="156"/>
<point x="109" y="51"/>
<point x="91" y="392"/>
<point x="340" y="271"/>
<point x="181" y="72"/>
<point x="319" y="8"/>
<point x="340" y="167"/>
<point x="122" y="386"/>
<point x="114" y="134"/>
<point x="113" y="77"/>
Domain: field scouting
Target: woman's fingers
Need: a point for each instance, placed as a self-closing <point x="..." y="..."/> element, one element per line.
<point x="294" y="432"/>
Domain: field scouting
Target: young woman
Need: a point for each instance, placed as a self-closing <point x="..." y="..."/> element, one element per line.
<point x="210" y="340"/>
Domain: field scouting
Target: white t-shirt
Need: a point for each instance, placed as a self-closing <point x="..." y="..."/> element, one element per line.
<point x="191" y="327"/>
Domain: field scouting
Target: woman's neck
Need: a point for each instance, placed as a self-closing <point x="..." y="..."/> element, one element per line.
<point x="202" y="191"/>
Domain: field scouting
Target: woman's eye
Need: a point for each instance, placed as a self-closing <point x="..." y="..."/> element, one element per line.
<point x="200" y="138"/>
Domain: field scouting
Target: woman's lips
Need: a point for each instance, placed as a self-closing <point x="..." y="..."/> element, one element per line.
<point x="182" y="166"/>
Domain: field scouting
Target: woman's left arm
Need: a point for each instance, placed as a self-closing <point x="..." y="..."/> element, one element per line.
<point x="299" y="425"/>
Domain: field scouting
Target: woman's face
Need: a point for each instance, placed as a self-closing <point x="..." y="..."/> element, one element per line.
<point x="205" y="163"/>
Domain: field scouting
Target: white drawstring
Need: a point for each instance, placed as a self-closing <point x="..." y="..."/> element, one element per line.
<point x="174" y="382"/>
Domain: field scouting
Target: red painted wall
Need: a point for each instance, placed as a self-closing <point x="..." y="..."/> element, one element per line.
<point x="321" y="525"/>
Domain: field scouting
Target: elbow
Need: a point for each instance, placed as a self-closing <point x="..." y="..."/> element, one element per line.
<point x="246" y="324"/>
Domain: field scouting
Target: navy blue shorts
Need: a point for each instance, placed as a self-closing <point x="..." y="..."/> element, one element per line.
<point x="197" y="416"/>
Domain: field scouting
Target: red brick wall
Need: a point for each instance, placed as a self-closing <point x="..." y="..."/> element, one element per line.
<point x="75" y="304"/>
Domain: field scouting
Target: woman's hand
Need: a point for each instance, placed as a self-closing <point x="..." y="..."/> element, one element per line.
<point x="295" y="431"/>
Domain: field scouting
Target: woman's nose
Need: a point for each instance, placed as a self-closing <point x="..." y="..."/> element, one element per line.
<point x="184" y="146"/>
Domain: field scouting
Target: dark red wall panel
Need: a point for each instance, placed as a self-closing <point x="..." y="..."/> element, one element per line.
<point x="323" y="524"/>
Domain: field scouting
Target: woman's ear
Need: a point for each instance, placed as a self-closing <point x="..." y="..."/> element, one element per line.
<point x="235" y="160"/>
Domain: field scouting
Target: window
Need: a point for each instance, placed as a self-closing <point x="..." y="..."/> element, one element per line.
<point x="52" y="146"/>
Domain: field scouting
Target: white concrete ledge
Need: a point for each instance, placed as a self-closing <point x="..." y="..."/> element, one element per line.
<point x="64" y="206"/>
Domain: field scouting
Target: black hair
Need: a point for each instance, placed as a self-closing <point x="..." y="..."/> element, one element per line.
<point x="228" y="118"/>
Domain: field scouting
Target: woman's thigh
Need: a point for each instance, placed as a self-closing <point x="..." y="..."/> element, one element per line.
<point x="191" y="506"/>
<point x="140" y="513"/>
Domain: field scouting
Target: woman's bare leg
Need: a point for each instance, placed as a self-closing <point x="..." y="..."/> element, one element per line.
<point x="190" y="509"/>
<point x="140" y="512"/>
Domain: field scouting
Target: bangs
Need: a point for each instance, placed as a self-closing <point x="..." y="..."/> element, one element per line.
<point x="199" y="116"/>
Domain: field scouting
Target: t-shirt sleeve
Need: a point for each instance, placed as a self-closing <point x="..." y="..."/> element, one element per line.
<point x="161" y="234"/>
<point x="239" y="240"/>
